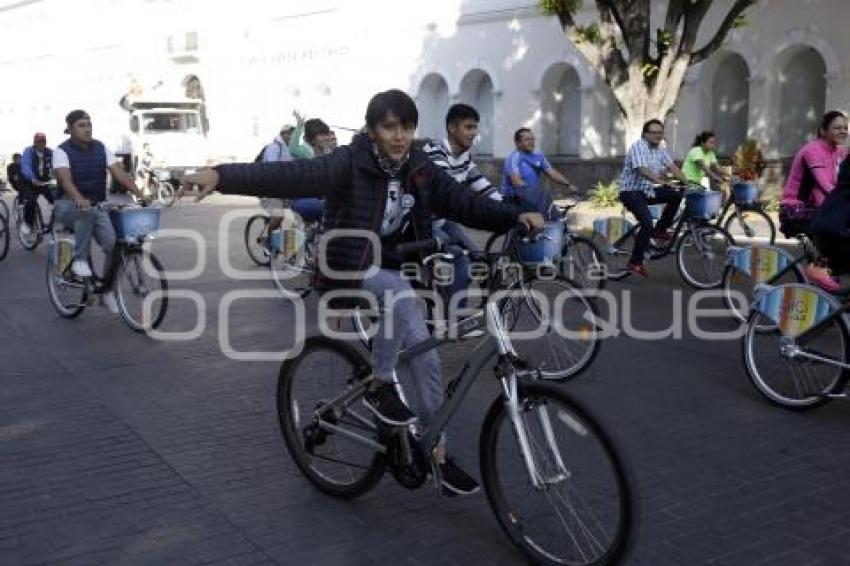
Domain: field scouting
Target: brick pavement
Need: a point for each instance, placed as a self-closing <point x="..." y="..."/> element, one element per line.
<point x="115" y="449"/>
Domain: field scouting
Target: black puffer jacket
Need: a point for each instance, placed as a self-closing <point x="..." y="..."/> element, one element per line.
<point x="355" y="193"/>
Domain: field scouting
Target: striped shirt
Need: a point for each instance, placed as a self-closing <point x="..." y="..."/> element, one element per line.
<point x="641" y="154"/>
<point x="461" y="168"/>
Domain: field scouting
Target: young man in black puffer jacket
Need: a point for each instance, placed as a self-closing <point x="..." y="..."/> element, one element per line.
<point x="388" y="190"/>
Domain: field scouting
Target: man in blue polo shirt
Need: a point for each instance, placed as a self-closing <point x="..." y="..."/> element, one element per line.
<point x="642" y="183"/>
<point x="521" y="175"/>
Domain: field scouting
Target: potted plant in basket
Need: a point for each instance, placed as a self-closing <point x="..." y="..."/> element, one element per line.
<point x="747" y="166"/>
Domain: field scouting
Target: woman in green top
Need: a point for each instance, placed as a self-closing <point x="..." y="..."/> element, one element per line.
<point x="701" y="160"/>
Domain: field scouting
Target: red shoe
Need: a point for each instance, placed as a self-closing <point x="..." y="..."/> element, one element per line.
<point x="636" y="268"/>
<point x="821" y="277"/>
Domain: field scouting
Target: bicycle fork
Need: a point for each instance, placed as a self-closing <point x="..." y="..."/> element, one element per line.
<point x="539" y="479"/>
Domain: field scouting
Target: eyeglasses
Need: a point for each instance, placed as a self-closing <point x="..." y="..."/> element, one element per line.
<point x="655" y="131"/>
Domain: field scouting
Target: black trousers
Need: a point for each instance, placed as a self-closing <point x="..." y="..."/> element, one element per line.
<point x="638" y="204"/>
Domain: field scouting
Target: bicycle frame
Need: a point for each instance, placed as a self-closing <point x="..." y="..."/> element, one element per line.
<point x="508" y="371"/>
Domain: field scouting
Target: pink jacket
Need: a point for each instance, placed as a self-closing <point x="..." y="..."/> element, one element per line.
<point x="815" y="168"/>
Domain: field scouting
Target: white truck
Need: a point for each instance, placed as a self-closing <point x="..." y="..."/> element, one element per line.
<point x="174" y="129"/>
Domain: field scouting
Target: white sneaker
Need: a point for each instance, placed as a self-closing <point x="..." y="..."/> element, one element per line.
<point x="109" y="302"/>
<point x="81" y="268"/>
<point x="25" y="229"/>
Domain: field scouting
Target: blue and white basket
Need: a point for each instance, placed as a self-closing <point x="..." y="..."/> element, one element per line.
<point x="703" y="205"/>
<point x="545" y="249"/>
<point x="134" y="223"/>
<point x="745" y="192"/>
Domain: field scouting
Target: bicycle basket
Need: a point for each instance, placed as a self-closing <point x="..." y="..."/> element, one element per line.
<point x="745" y="193"/>
<point x="133" y="223"/>
<point x="288" y="241"/>
<point x="796" y="307"/>
<point x="759" y="262"/>
<point x="703" y="205"/>
<point x="612" y="228"/>
<point x="545" y="249"/>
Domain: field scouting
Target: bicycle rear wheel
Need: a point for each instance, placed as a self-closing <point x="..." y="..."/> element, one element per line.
<point x="794" y="382"/>
<point x="581" y="511"/>
<point x="320" y="409"/>
<point x="67" y="293"/>
<point x="582" y="261"/>
<point x="701" y="257"/>
<point x="256" y="239"/>
<point x="745" y="224"/>
<point x="139" y="275"/>
<point x="552" y="326"/>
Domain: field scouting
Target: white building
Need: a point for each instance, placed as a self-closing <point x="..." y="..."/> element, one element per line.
<point x="256" y="60"/>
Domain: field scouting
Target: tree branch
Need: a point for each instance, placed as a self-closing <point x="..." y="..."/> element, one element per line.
<point x="714" y="44"/>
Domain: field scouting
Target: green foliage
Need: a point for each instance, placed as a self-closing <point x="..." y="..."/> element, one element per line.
<point x="605" y="195"/>
<point x="772" y="204"/>
<point x="649" y="69"/>
<point x="551" y="7"/>
<point x="589" y="34"/>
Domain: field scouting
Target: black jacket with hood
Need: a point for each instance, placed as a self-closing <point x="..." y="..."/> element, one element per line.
<point x="355" y="191"/>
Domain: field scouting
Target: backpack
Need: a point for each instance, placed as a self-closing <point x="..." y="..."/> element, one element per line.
<point x="259" y="158"/>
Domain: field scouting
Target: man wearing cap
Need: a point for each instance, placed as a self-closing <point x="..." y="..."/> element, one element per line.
<point x="36" y="170"/>
<point x="81" y="163"/>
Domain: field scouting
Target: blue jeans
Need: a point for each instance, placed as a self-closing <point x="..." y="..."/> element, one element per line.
<point x="86" y="223"/>
<point x="310" y="209"/>
<point x="400" y="310"/>
<point x="452" y="233"/>
<point x="638" y="204"/>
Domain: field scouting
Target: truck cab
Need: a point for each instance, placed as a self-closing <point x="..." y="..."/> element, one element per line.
<point x="174" y="130"/>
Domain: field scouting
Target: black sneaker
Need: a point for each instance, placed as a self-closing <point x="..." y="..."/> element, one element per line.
<point x="388" y="406"/>
<point x="455" y="481"/>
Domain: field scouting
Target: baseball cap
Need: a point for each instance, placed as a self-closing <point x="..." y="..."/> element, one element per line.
<point x="39" y="137"/>
<point x="287" y="128"/>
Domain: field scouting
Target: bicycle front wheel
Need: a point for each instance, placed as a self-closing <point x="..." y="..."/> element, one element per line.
<point x="165" y="193"/>
<point x="793" y="381"/>
<point x="578" y="508"/>
<point x="552" y="325"/>
<point x="746" y="224"/>
<point x="582" y="261"/>
<point x="4" y="237"/>
<point x="141" y="290"/>
<point x="701" y="256"/>
<point x="328" y="431"/>
<point x="28" y="236"/>
<point x="67" y="293"/>
<point x="256" y="239"/>
<point x="291" y="274"/>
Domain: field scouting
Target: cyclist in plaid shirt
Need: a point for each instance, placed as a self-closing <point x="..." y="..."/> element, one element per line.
<point x="642" y="184"/>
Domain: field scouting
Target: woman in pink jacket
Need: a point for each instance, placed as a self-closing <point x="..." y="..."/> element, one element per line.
<point x="813" y="175"/>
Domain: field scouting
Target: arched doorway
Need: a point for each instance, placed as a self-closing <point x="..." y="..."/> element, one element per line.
<point x="433" y="103"/>
<point x="802" y="97"/>
<point x="730" y="103"/>
<point x="194" y="89"/>
<point x="476" y="89"/>
<point x="561" y="111"/>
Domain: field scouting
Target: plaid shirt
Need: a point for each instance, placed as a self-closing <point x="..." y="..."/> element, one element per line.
<point x="641" y="154"/>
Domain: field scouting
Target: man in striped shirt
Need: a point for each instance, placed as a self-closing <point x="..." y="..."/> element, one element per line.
<point x="642" y="183"/>
<point x="453" y="155"/>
